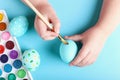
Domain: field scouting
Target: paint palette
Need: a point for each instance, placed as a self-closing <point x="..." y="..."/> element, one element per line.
<point x="11" y="67"/>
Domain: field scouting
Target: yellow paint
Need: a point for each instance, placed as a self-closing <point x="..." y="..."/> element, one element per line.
<point x="35" y="56"/>
<point x="1" y="16"/>
<point x="26" y="60"/>
<point x="33" y="65"/>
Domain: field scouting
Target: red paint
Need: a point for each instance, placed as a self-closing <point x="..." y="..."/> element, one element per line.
<point x="1" y="49"/>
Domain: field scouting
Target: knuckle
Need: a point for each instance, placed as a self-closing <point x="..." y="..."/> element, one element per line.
<point x="83" y="62"/>
<point x="46" y="39"/>
<point x="42" y="36"/>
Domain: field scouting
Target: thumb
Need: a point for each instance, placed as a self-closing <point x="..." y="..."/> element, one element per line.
<point x="77" y="37"/>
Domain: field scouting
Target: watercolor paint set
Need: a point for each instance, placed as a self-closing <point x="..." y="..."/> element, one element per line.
<point x="11" y="67"/>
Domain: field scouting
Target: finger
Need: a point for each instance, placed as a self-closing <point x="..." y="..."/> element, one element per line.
<point x="42" y="30"/>
<point x="85" y="60"/>
<point x="81" y="55"/>
<point x="49" y="38"/>
<point x="40" y="26"/>
<point x="56" y="24"/>
<point x="75" y="37"/>
<point x="91" y="60"/>
<point x="50" y="35"/>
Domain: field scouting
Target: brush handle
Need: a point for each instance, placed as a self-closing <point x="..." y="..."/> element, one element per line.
<point x="39" y="14"/>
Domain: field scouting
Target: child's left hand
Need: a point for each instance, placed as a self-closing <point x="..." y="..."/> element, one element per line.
<point x="93" y="41"/>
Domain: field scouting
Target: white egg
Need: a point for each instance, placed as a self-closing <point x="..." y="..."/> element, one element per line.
<point x="31" y="59"/>
<point x="68" y="52"/>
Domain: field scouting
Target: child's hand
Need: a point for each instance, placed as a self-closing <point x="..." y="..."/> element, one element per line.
<point x="93" y="41"/>
<point x="41" y="28"/>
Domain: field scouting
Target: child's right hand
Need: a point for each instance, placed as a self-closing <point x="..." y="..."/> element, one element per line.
<point x="41" y="28"/>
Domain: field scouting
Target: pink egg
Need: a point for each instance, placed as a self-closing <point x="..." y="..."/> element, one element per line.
<point x="5" y="35"/>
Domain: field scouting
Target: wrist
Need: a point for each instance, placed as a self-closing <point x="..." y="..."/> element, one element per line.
<point x="38" y="2"/>
<point x="106" y="29"/>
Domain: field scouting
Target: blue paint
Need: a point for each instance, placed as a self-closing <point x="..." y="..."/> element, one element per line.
<point x="0" y="72"/>
<point x="4" y="58"/>
<point x="17" y="64"/>
<point x="7" y="68"/>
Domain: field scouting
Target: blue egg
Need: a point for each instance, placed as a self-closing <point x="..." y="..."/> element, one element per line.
<point x="68" y="52"/>
<point x="18" y="26"/>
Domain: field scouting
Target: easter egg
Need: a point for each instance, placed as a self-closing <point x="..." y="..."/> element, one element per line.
<point x="68" y="52"/>
<point x="18" y="26"/>
<point x="31" y="59"/>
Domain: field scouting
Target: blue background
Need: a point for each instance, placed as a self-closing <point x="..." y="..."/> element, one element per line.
<point x="76" y="16"/>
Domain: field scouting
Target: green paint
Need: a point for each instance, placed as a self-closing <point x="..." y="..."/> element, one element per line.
<point x="29" y="54"/>
<point x="21" y="73"/>
<point x="23" y="57"/>
<point x="1" y="78"/>
<point x="33" y="51"/>
<point x="37" y="63"/>
<point x="31" y="61"/>
<point x="11" y="76"/>
<point x="29" y="69"/>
